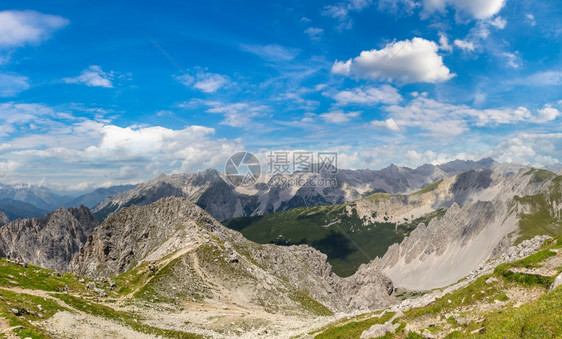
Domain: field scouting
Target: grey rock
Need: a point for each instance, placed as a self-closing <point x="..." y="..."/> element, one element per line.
<point x="150" y="233"/>
<point x="100" y="292"/>
<point x="379" y="330"/>
<point x="3" y="219"/>
<point x="427" y="335"/>
<point x="49" y="242"/>
<point x="557" y="282"/>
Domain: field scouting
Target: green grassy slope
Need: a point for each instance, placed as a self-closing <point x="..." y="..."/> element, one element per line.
<point x="543" y="217"/>
<point x="484" y="306"/>
<point x="28" y="295"/>
<point x="345" y="238"/>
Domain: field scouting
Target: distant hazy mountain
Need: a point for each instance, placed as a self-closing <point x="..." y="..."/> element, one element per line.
<point x="40" y="197"/>
<point x="15" y="209"/>
<point x="93" y="198"/>
<point x="212" y="192"/>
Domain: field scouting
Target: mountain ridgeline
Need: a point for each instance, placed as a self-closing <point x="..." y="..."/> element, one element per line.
<point x="209" y="189"/>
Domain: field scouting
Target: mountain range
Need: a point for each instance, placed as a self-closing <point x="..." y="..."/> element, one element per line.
<point x="160" y="264"/>
<point x="211" y="191"/>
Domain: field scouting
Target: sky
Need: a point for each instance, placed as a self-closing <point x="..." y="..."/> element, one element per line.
<point x="99" y="93"/>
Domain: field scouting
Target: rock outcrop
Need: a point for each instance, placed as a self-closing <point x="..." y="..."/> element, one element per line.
<point x="3" y="219"/>
<point x="200" y="254"/>
<point x="49" y="242"/>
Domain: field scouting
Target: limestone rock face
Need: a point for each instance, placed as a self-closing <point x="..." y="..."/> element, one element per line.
<point x="3" y="219"/>
<point x="481" y="226"/>
<point x="49" y="242"/>
<point x="174" y="232"/>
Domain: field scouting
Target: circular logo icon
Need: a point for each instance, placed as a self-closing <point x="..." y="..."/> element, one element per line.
<point x="242" y="169"/>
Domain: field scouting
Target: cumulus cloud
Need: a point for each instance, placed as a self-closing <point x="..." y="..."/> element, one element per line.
<point x="314" y="33"/>
<point x="94" y="76"/>
<point x="478" y="9"/>
<point x="467" y="46"/>
<point x="548" y="113"/>
<point x="444" y="43"/>
<point x="369" y="95"/>
<point x="535" y="149"/>
<point x="18" y="28"/>
<point x="206" y="82"/>
<point x="64" y="146"/>
<point x="12" y="84"/>
<point x="498" y="22"/>
<point x="407" y="61"/>
<point x="389" y="124"/>
<point x="440" y="119"/>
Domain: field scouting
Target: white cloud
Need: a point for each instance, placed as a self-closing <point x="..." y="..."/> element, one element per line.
<point x="369" y="95"/>
<point x="94" y="76"/>
<point x="530" y="19"/>
<point x="534" y="149"/>
<point x="405" y="61"/>
<point x="339" y="117"/>
<point x="398" y="6"/>
<point x="548" y="113"/>
<point x="513" y="59"/>
<point x="445" y="120"/>
<point x="464" y="45"/>
<point x="205" y="82"/>
<point x="314" y="33"/>
<point x="18" y="28"/>
<point x="389" y="124"/>
<point x="498" y="22"/>
<point x="274" y="53"/>
<point x="478" y="9"/>
<point x="76" y="150"/>
<point x="12" y="84"/>
<point x="240" y="115"/>
<point x="545" y="78"/>
<point x="343" y="10"/>
<point x="444" y="43"/>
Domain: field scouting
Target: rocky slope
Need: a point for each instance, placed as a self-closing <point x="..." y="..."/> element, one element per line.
<point x="212" y="192"/>
<point x="51" y="241"/>
<point x="448" y="248"/>
<point x="206" y="261"/>
<point x="3" y="219"/>
<point x="356" y="232"/>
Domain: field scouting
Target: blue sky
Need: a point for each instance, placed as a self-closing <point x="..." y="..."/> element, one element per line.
<point x="98" y="93"/>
